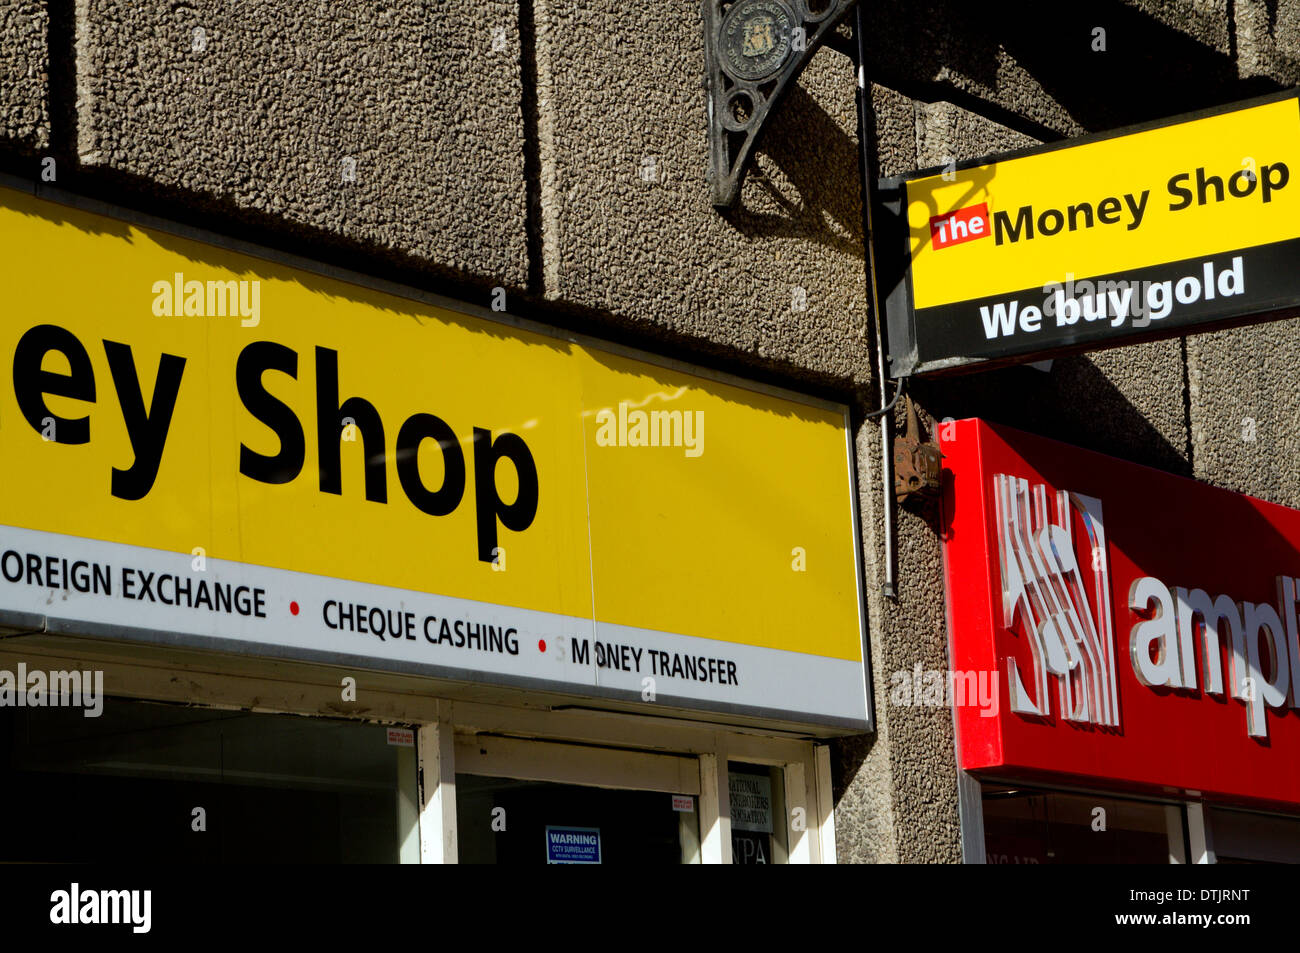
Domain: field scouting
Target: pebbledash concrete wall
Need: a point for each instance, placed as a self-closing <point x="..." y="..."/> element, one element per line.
<point x="556" y="148"/>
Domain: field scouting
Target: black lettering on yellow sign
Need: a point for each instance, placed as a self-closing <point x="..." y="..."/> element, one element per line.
<point x="1131" y="208"/>
<point x="1052" y="220"/>
<point x="147" y="429"/>
<point x="1269" y="178"/>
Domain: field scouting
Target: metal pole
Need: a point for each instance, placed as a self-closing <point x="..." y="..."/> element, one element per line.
<point x="868" y="169"/>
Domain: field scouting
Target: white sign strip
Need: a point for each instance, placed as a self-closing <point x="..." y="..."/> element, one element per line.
<point x="159" y="596"/>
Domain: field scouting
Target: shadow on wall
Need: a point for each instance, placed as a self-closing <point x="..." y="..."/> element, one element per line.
<point x="1148" y="69"/>
<point x="814" y="153"/>
<point x="1075" y="402"/>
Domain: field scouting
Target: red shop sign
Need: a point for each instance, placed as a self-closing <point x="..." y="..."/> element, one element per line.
<point x="1139" y="629"/>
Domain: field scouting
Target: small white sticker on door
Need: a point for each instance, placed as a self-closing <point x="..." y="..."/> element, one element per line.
<point x="402" y="737"/>
<point x="684" y="802"/>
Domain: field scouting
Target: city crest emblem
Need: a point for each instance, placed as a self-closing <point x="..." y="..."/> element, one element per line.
<point x="756" y="38"/>
<point x="760" y="36"/>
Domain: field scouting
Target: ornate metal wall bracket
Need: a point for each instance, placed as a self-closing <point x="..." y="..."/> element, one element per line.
<point x="754" y="50"/>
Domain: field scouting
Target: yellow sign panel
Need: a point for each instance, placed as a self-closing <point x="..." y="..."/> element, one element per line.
<point x="1193" y="189"/>
<point x="622" y="520"/>
<point x="1005" y="254"/>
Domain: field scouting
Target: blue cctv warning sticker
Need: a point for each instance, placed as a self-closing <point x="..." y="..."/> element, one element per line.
<point x="572" y="845"/>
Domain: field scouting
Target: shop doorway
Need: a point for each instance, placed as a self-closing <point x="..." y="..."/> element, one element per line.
<point x="529" y="802"/>
<point x="508" y="821"/>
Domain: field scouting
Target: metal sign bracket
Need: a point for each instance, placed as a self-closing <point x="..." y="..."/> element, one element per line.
<point x="754" y="50"/>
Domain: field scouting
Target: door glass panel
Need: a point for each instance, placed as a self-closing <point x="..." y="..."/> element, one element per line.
<point x="158" y="782"/>
<point x="509" y="821"/>
<point x="758" y="814"/>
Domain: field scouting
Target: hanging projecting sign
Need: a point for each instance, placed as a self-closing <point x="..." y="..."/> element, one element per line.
<point x="1185" y="224"/>
<point x="1117" y="626"/>
<point x="206" y="447"/>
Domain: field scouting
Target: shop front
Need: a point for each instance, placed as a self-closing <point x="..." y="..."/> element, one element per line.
<point x="1143" y="630"/>
<point x="299" y="565"/>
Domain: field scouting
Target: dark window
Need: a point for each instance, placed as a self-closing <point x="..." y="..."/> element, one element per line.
<point x="271" y="788"/>
<point x="1028" y="826"/>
